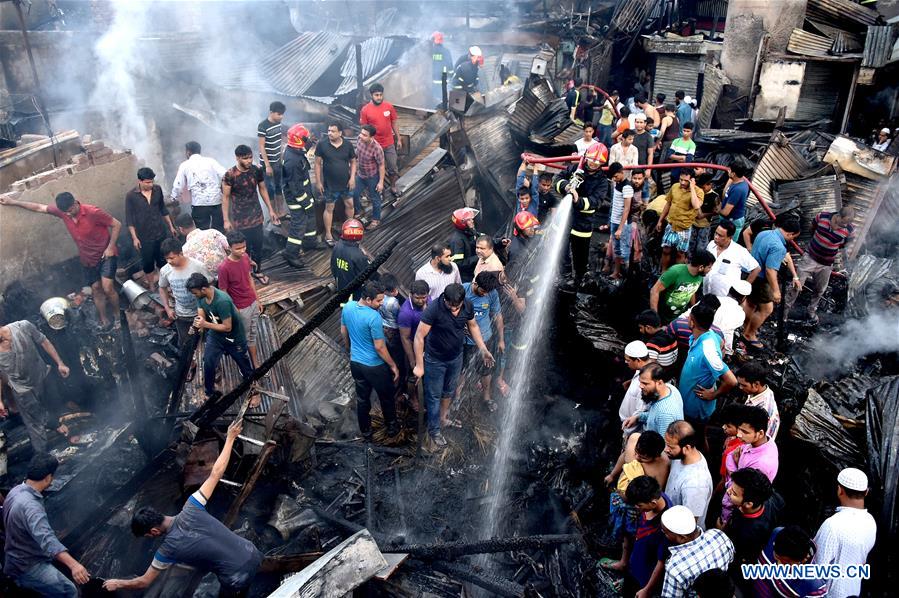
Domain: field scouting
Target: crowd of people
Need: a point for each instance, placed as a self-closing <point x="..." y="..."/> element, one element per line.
<point x="687" y="510"/>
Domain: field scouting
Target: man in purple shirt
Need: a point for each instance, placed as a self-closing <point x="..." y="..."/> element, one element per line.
<point x="410" y="315"/>
<point x="758" y="452"/>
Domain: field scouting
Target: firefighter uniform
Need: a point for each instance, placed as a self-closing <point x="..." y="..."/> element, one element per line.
<point x="593" y="190"/>
<point x="441" y="62"/>
<point x="300" y="202"/>
<point x="462" y="244"/>
<point x="465" y="75"/>
<point x="347" y="262"/>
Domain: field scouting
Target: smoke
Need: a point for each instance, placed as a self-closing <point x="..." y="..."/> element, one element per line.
<point x="833" y="354"/>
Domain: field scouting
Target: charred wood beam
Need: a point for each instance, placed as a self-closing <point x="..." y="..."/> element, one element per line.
<point x="369" y="492"/>
<point x="354" y="444"/>
<point x="250" y="484"/>
<point x="496" y="585"/>
<point x="445" y="550"/>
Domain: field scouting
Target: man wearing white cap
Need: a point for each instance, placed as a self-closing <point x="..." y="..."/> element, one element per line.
<point x="693" y="552"/>
<point x="636" y="356"/>
<point x="847" y="536"/>
<point x="883" y="140"/>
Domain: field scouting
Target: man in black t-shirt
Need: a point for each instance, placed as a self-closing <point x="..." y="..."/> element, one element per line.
<point x="335" y="176"/>
<point x="438" y="354"/>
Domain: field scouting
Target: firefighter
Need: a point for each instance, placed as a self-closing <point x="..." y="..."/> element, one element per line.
<point x="463" y="242"/>
<point x="588" y="189"/>
<point x="465" y="75"/>
<point x="525" y="227"/>
<point x="298" y="196"/>
<point x="348" y="260"/>
<point x="441" y="62"/>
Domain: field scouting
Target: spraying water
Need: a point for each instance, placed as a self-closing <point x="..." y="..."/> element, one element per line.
<point x="544" y="265"/>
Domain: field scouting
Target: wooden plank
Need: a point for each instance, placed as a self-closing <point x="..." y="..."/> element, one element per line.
<point x="247" y="488"/>
<point x="394" y="560"/>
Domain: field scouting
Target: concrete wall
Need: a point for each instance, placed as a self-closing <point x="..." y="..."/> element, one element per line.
<point x="747" y="22"/>
<point x="31" y="242"/>
<point x="781" y="84"/>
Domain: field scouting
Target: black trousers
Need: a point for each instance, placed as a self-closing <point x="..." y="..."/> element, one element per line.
<point x="377" y="378"/>
<point x="255" y="241"/>
<point x="206" y="217"/>
<point x="580" y="256"/>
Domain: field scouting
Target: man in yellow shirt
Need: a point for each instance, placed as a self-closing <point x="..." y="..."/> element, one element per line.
<point x="681" y="206"/>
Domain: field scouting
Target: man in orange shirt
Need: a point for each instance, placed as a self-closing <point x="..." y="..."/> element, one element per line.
<point x="382" y="116"/>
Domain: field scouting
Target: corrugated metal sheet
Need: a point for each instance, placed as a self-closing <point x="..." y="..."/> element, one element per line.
<point x="375" y="51"/>
<point x="676" y="72"/>
<point x="809" y="44"/>
<point x="878" y="45"/>
<point x="712" y="84"/>
<point x="554" y="121"/>
<point x="780" y="162"/>
<point x="495" y="154"/>
<point x="629" y="15"/>
<point x="820" y="93"/>
<point x="841" y="12"/>
<point x="844" y="41"/>
<point x="813" y="195"/>
<point x="534" y="100"/>
<point x="866" y="196"/>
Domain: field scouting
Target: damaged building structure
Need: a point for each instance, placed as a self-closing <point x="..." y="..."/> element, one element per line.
<point x="91" y="91"/>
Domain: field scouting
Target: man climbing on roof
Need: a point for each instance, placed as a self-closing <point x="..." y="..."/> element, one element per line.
<point x="195" y="538"/>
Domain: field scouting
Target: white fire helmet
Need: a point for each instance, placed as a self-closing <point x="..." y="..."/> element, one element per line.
<point x="475" y="51"/>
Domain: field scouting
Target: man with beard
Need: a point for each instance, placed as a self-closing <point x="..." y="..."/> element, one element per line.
<point x="636" y="357"/>
<point x="462" y="242"/>
<point x="382" y="116"/>
<point x="439" y="271"/>
<point x="664" y="403"/>
<point x="689" y="483"/>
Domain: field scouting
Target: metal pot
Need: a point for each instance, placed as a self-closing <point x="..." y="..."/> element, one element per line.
<point x="138" y="297"/>
<point x="54" y="311"/>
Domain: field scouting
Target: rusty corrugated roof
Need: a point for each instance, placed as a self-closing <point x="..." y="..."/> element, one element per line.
<point x="841" y="12"/>
<point x="780" y="161"/>
<point x="808" y="44"/>
<point x="375" y="51"/>
<point x="878" y="45"/>
<point x="813" y="195"/>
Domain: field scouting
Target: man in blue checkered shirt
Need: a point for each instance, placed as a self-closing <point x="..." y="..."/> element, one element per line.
<point x="693" y="551"/>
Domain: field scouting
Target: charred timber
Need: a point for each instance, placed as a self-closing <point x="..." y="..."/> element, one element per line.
<point x="496" y="585"/>
<point x="448" y="550"/>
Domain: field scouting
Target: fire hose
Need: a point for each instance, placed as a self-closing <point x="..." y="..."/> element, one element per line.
<point x="607" y="96"/>
<point x="533" y="159"/>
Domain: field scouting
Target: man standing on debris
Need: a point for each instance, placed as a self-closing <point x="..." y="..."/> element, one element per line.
<point x="31" y="546"/>
<point x="689" y="483"/>
<point x="465" y="73"/>
<point x="636" y="357"/>
<point x="438" y="354"/>
<point x="847" y="536"/>
<point x="621" y="238"/>
<point x="732" y="260"/>
<point x="441" y="62"/>
<point x="675" y="290"/>
<point x="149" y="223"/>
<point x="462" y="242"/>
<point x="662" y="345"/>
<point x="241" y="187"/>
<point x="832" y="232"/>
<point x="218" y="314"/>
<point x="369" y="174"/>
<point x="195" y="538"/>
<point x="681" y="206"/>
<point x="235" y="279"/>
<point x="440" y="271"/>
<point x="25" y="372"/>
<point x="335" y="176"/>
<point x="201" y="178"/>
<point x="382" y="116"/>
<point x="484" y="298"/>
<point x="769" y="249"/>
<point x="736" y="192"/>
<point x="693" y="551"/>
<point x="298" y="197"/>
<point x="757" y="451"/>
<point x="173" y="279"/>
<point x="362" y="330"/>
<point x="682" y="149"/>
<point x="410" y="316"/>
<point x="664" y="404"/>
<point x="209" y="246"/>
<point x="347" y="259"/>
<point x="704" y="368"/>
<point x="752" y="381"/>
<point x="270" y="133"/>
<point x="95" y="233"/>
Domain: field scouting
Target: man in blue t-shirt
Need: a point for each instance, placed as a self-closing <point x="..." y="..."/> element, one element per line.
<point x="484" y="298"/>
<point x="362" y="330"/>
<point x="736" y="192"/>
<point x="704" y="368"/>
<point x="195" y="538"/>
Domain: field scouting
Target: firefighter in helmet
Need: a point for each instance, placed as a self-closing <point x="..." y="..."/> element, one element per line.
<point x="298" y="196"/>
<point x="347" y="259"/>
<point x="465" y="75"/>
<point x="588" y="188"/>
<point x="524" y="229"/>
<point x="441" y="62"/>
<point x="463" y="241"/>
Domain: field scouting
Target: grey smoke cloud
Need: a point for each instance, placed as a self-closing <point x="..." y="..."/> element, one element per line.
<point x="833" y="354"/>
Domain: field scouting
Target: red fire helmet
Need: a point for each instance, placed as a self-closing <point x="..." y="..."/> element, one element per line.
<point x="596" y="155"/>
<point x="463" y="215"/>
<point x="525" y="220"/>
<point x="352" y="230"/>
<point x="297" y="136"/>
<point x="437" y="37"/>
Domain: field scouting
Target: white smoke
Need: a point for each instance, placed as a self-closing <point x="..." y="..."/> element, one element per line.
<point x="833" y="354"/>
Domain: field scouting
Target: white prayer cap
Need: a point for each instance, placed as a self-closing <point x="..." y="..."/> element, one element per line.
<point x="853" y="479"/>
<point x="885" y="131"/>
<point x="743" y="287"/>
<point x="679" y="520"/>
<point x="636" y="350"/>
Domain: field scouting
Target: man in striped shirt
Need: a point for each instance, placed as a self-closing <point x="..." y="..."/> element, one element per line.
<point x="269" y="133"/>
<point x="832" y="232"/>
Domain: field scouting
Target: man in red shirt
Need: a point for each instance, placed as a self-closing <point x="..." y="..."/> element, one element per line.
<point x="382" y="116"/>
<point x="235" y="279"/>
<point x="94" y="232"/>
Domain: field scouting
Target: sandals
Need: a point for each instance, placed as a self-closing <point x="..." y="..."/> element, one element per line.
<point x="261" y="278"/>
<point x="452" y="423"/>
<point x="756" y="344"/>
<point x="374" y="224"/>
<point x="330" y="242"/>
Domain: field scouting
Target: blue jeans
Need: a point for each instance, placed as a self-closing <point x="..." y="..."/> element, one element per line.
<point x="370" y="185"/>
<point x="212" y="355"/>
<point x="440" y="380"/>
<point x="605" y="135"/>
<point x="46" y="580"/>
<point x="622" y="246"/>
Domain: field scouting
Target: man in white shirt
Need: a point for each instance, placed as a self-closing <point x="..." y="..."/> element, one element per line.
<point x="847" y="536"/>
<point x="625" y="152"/>
<point x="731" y="261"/>
<point x="201" y="178"/>
<point x="883" y="140"/>
<point x="689" y="483"/>
<point x="586" y="139"/>
<point x="440" y="271"/>
<point x="636" y="355"/>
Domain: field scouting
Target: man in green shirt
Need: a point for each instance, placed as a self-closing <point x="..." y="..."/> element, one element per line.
<point x="679" y="284"/>
<point x="681" y="206"/>
<point x="220" y="317"/>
